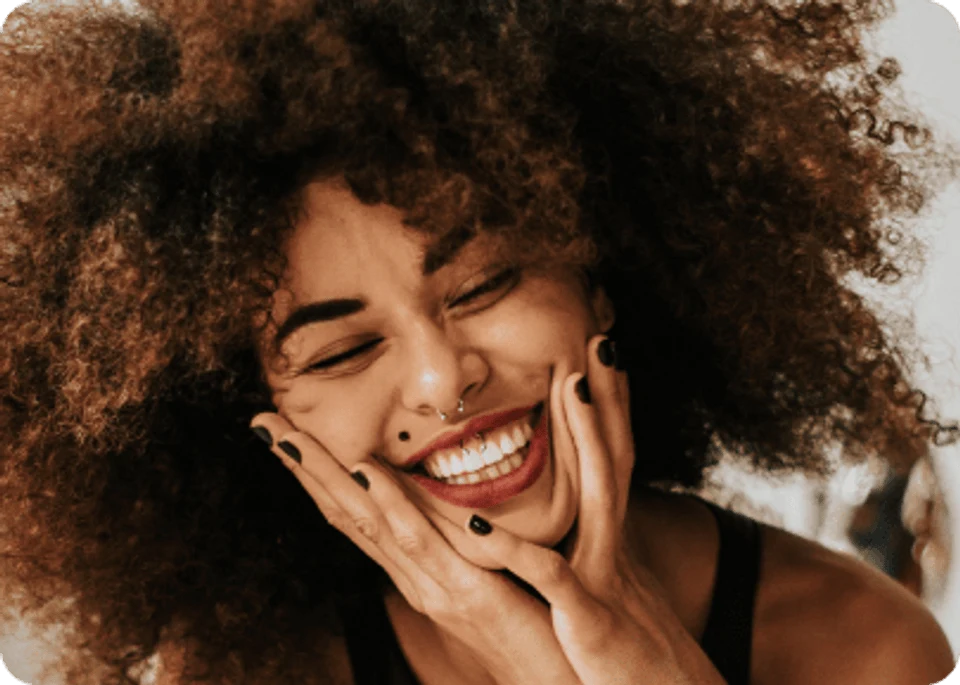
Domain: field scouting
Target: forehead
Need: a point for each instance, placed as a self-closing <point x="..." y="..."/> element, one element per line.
<point x="342" y="249"/>
<point x="339" y="241"/>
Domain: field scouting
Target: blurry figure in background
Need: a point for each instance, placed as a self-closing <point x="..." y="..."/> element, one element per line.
<point x="856" y="510"/>
<point x="925" y="515"/>
<point x="879" y="536"/>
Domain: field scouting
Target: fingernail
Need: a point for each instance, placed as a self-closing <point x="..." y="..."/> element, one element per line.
<point x="480" y="526"/>
<point x="361" y="479"/>
<point x="583" y="390"/>
<point x="263" y="434"/>
<point x="291" y="450"/>
<point x="607" y="352"/>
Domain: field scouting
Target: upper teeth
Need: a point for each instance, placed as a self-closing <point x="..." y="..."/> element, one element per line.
<point x="477" y="453"/>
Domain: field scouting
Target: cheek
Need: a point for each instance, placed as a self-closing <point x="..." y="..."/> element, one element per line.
<point x="336" y="425"/>
<point x="553" y="321"/>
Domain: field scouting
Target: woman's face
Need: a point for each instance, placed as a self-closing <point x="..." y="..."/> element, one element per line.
<point x="365" y="373"/>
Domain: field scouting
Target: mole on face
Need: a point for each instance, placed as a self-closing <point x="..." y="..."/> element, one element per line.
<point x="404" y="436"/>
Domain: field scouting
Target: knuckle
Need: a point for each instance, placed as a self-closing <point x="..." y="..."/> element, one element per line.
<point x="411" y="544"/>
<point x="337" y="520"/>
<point x="368" y="527"/>
<point x="436" y="608"/>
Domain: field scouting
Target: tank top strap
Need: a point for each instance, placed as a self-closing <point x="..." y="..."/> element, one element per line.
<point x="728" y="634"/>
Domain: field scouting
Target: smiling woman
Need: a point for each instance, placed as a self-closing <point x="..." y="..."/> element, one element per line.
<point x="488" y="279"/>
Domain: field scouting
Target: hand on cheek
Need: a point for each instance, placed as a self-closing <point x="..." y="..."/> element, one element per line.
<point x="439" y="567"/>
<point x="609" y="614"/>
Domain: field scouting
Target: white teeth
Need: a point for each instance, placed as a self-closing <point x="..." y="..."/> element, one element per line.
<point x="491" y="453"/>
<point x="443" y="464"/>
<point x="469" y="457"/>
<point x="498" y="470"/>
<point x="472" y="461"/>
<point x="506" y="445"/>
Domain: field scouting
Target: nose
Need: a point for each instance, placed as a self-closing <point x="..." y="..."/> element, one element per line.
<point x="441" y="370"/>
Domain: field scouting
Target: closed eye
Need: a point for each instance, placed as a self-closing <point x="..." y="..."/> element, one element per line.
<point x="501" y="283"/>
<point x="338" y="359"/>
<point x="504" y="278"/>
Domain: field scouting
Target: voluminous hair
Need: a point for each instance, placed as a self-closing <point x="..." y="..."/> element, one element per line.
<point x="723" y="169"/>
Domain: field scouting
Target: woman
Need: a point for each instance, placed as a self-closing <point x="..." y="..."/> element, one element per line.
<point x="588" y="244"/>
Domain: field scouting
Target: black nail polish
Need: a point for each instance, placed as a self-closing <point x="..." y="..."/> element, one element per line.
<point x="480" y="526"/>
<point x="263" y="434"/>
<point x="607" y="352"/>
<point x="361" y="479"/>
<point x="291" y="450"/>
<point x="583" y="390"/>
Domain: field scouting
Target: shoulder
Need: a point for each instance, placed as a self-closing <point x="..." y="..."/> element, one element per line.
<point x="825" y="617"/>
<point x="820" y="616"/>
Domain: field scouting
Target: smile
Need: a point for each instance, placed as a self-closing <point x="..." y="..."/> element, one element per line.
<point x="485" y="456"/>
<point x="490" y="468"/>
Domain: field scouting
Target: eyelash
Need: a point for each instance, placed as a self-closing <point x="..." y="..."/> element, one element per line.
<point x="507" y="276"/>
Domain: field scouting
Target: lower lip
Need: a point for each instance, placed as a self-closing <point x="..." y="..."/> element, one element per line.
<point x="490" y="493"/>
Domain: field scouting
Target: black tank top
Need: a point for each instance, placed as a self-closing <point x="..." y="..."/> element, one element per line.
<point x="377" y="659"/>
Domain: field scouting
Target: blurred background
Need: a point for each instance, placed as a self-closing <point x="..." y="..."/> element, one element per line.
<point x="905" y="526"/>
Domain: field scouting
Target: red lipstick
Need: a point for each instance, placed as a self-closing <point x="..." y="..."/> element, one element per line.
<point x="474" y="426"/>
<point x="490" y="493"/>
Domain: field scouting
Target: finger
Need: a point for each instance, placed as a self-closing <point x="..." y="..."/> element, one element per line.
<point x="304" y="455"/>
<point x="611" y="398"/>
<point x="576" y="614"/>
<point x="425" y="551"/>
<point x="340" y="499"/>
<point x="597" y="525"/>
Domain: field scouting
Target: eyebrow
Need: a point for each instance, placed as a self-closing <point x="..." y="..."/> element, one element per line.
<point x="438" y="255"/>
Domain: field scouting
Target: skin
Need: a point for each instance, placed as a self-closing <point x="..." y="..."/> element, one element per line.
<point x="629" y="596"/>
<point x="492" y="351"/>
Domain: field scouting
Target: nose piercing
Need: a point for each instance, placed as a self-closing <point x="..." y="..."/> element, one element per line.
<point x="444" y="415"/>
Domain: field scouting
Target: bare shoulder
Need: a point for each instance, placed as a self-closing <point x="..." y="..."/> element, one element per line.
<point x="820" y="616"/>
<point x="825" y="617"/>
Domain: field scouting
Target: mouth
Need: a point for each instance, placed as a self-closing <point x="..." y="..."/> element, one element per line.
<point x="490" y="467"/>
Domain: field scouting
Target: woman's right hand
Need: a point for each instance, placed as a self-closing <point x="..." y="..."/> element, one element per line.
<point x="508" y="632"/>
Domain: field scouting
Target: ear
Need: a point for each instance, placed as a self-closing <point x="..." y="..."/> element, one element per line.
<point x="602" y="307"/>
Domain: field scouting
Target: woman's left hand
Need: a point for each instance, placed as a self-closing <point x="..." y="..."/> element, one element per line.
<point x="609" y="613"/>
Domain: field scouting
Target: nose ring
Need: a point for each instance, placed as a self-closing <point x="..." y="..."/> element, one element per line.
<point x="444" y="415"/>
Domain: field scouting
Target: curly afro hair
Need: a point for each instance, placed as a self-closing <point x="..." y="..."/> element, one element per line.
<point x="723" y="169"/>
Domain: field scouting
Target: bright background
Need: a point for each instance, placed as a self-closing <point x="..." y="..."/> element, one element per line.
<point x="925" y="38"/>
